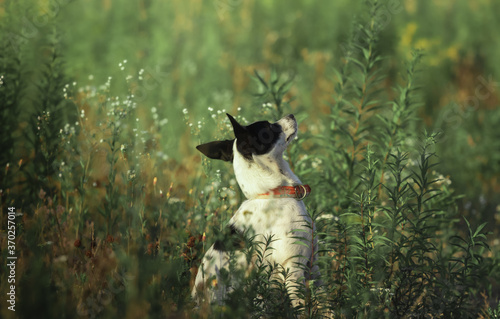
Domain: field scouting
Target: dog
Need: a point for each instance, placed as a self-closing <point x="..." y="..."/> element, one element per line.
<point x="274" y="207"/>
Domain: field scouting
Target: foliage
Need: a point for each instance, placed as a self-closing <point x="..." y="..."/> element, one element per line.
<point x="115" y="209"/>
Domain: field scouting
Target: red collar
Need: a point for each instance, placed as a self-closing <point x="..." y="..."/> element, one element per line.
<point x="298" y="192"/>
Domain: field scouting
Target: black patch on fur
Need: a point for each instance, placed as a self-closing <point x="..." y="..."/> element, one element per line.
<point x="255" y="139"/>
<point x="232" y="239"/>
<point x="221" y="150"/>
<point x="281" y="171"/>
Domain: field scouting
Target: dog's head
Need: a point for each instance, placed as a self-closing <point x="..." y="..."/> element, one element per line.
<point x="257" y="153"/>
<point x="253" y="140"/>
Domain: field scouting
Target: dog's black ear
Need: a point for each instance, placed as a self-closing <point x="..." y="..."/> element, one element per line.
<point x="221" y="150"/>
<point x="239" y="130"/>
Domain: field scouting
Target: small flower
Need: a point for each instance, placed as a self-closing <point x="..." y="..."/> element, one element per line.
<point x="185" y="111"/>
<point x="60" y="209"/>
<point x="191" y="242"/>
<point x="151" y="247"/>
<point x="110" y="239"/>
<point x="131" y="174"/>
<point x="42" y="194"/>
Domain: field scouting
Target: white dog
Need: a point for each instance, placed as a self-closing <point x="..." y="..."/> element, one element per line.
<point x="273" y="207"/>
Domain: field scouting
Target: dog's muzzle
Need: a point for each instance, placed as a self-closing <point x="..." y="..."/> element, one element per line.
<point x="289" y="126"/>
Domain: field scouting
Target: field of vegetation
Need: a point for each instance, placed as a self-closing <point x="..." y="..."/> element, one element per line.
<point x="107" y="208"/>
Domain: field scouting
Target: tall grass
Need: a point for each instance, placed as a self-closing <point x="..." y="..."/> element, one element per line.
<point x="116" y="210"/>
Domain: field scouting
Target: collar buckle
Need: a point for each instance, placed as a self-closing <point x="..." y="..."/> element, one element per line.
<point x="300" y="192"/>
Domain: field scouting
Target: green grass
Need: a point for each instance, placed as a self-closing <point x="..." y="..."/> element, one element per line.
<point x="103" y="104"/>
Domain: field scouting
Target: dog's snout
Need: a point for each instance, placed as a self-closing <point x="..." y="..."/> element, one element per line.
<point x="289" y="126"/>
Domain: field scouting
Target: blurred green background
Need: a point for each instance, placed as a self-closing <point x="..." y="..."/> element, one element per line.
<point x="197" y="54"/>
<point x="182" y="59"/>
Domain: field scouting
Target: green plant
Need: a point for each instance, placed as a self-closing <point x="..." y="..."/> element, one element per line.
<point x="116" y="209"/>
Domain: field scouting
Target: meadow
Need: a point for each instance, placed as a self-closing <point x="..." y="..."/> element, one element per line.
<point x="107" y="207"/>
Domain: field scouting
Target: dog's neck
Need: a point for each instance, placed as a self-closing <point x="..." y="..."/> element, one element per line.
<point x="263" y="174"/>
